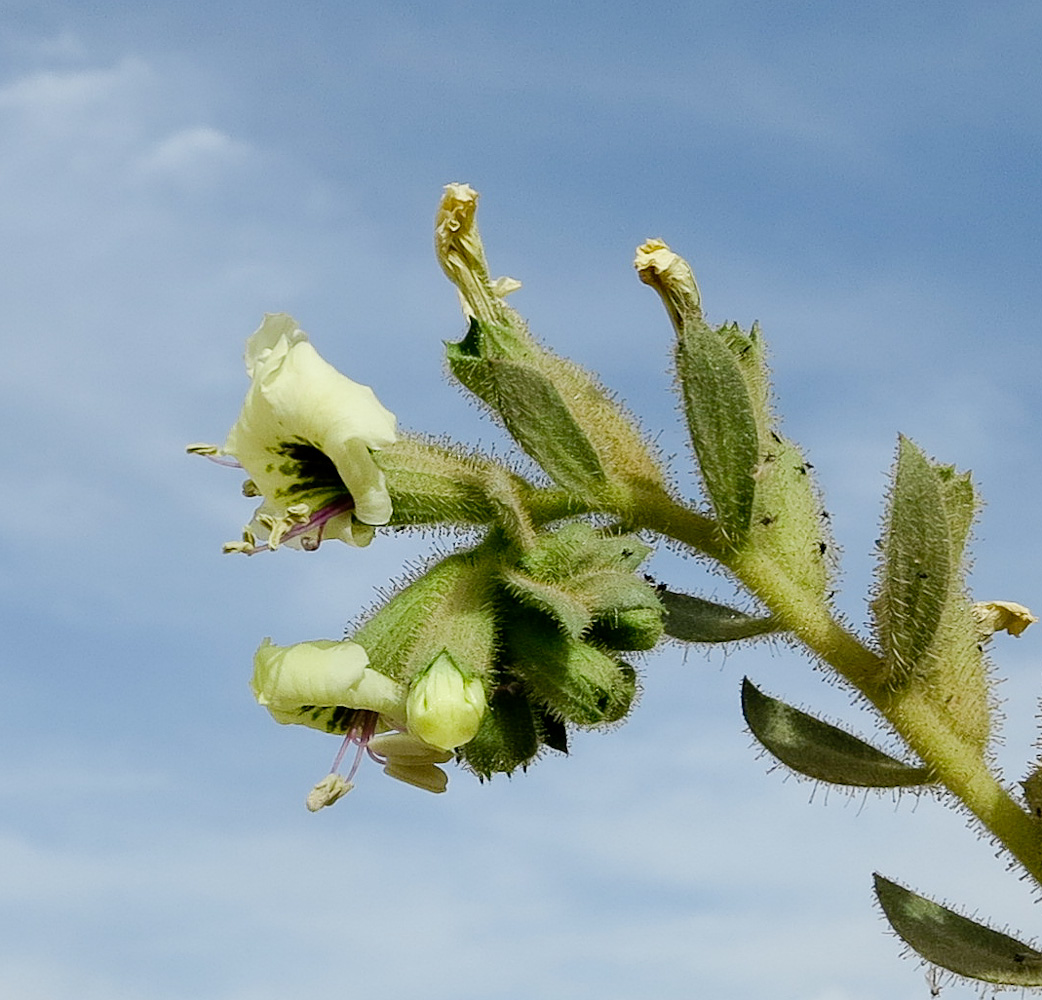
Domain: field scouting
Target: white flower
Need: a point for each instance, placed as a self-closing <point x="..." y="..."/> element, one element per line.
<point x="444" y="708"/>
<point x="306" y="435"/>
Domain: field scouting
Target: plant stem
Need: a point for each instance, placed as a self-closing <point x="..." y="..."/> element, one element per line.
<point x="959" y="765"/>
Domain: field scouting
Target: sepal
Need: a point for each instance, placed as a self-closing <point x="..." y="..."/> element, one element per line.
<point x="447" y="611"/>
<point x="584" y="579"/>
<point x="924" y="620"/>
<point x="508" y="737"/>
<point x="433" y="484"/>
<point x="759" y="484"/>
<point x="577" y="682"/>
<point x="721" y="420"/>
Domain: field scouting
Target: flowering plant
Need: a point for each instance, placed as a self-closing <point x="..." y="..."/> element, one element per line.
<point x="500" y="650"/>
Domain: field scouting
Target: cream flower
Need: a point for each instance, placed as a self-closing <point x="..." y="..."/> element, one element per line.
<point x="330" y="686"/>
<point x="305" y="436"/>
<point x="409" y="759"/>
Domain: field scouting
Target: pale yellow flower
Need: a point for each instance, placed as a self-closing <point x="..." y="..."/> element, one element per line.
<point x="320" y="683"/>
<point x="330" y="686"/>
<point x="305" y="436"/>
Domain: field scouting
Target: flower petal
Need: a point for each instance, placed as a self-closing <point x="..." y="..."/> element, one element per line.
<point x="426" y="776"/>
<point x="305" y="436"/>
<point x="404" y="748"/>
<point x="309" y="682"/>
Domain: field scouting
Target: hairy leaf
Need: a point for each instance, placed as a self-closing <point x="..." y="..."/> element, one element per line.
<point x="694" y="619"/>
<point x="535" y="415"/>
<point x="820" y="750"/>
<point x="955" y="942"/>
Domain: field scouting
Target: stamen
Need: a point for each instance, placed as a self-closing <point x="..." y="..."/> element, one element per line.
<point x="361" y="731"/>
<point x="317" y="520"/>
<point x="212" y="452"/>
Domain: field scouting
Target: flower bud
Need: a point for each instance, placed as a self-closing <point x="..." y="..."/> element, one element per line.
<point x="444" y="708"/>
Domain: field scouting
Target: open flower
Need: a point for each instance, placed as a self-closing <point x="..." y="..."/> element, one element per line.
<point x="330" y="686"/>
<point x="305" y="436"/>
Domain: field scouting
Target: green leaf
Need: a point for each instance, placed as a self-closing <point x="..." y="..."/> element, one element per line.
<point x="694" y="619"/>
<point x="955" y="942"/>
<point x="918" y="563"/>
<point x="819" y="750"/>
<point x="534" y="413"/>
<point x="722" y="423"/>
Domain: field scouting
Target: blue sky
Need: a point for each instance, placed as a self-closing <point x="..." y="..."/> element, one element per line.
<point x="863" y="181"/>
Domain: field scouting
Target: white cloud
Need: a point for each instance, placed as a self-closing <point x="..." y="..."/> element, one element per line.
<point x="191" y="155"/>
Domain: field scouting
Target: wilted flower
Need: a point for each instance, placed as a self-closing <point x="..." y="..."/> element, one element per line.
<point x="462" y="256"/>
<point x="306" y="435"/>
<point x="996" y="616"/>
<point x="444" y="708"/>
<point x="671" y="276"/>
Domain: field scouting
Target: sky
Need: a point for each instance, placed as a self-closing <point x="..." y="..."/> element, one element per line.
<point x="861" y="179"/>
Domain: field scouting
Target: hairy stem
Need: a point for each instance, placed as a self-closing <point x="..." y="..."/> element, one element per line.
<point x="957" y="764"/>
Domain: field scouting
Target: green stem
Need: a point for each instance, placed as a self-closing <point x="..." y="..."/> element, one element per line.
<point x="957" y="764"/>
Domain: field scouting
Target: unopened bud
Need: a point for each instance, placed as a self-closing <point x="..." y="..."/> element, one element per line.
<point x="444" y="708"/>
